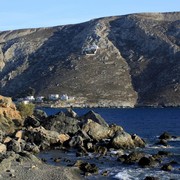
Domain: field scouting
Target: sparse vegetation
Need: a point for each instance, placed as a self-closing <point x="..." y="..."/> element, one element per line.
<point x="26" y="109"/>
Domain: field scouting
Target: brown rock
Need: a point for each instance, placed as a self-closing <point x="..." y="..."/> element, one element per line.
<point x="3" y="148"/>
<point x="63" y="137"/>
<point x="19" y="135"/>
<point x="8" y="114"/>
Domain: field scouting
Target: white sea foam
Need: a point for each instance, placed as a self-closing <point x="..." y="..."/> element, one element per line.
<point x="123" y="176"/>
<point x="175" y="139"/>
<point x="128" y="174"/>
<point x="138" y="174"/>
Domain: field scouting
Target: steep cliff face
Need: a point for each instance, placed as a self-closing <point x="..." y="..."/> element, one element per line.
<point x="136" y="62"/>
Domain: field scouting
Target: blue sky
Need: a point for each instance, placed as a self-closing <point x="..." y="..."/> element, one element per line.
<point x="18" y="14"/>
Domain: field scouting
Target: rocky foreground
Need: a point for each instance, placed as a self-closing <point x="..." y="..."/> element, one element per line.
<point x="137" y="62"/>
<point x="86" y="134"/>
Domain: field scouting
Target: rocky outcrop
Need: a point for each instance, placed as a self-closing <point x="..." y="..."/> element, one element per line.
<point x="124" y="140"/>
<point x="9" y="116"/>
<point x="62" y="124"/>
<point x="137" y="62"/>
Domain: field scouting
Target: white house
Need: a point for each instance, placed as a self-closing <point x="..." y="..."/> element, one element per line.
<point x="39" y="98"/>
<point x="90" y="50"/>
<point x="53" y="97"/>
<point x="64" y="97"/>
<point x="25" y="102"/>
<point x="30" y="98"/>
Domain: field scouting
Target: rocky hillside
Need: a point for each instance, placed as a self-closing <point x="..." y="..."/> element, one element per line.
<point x="10" y="118"/>
<point x="136" y="62"/>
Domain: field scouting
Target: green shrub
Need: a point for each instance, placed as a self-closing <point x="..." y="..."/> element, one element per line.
<point x="26" y="109"/>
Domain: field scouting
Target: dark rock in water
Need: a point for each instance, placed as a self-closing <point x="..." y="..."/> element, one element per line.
<point x="57" y="160"/>
<point x="162" y="142"/>
<point x="167" y="167"/>
<point x="165" y="136"/>
<point x="70" y="113"/>
<point x="122" y="158"/>
<point x="151" y="178"/>
<point x="31" y="121"/>
<point x="88" y="168"/>
<point x="81" y="152"/>
<point x="40" y="114"/>
<point x="133" y="157"/>
<point x="101" y="150"/>
<point x="147" y="162"/>
<point x="164" y="153"/>
<point x="105" y="173"/>
<point x="62" y="124"/>
<point x="95" y="117"/>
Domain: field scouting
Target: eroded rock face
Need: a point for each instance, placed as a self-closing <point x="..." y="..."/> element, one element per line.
<point x="8" y="115"/>
<point x="8" y="108"/>
<point x="137" y="62"/>
<point x="62" y="124"/>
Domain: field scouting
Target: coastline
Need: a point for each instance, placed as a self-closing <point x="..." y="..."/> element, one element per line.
<point x="52" y="105"/>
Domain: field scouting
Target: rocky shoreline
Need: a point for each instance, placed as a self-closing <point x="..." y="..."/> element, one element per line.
<point x="87" y="134"/>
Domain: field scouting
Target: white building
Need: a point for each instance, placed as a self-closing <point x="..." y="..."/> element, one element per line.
<point x="39" y="98"/>
<point x="25" y="102"/>
<point x="64" y="97"/>
<point x="30" y="98"/>
<point x="53" y="97"/>
<point x="90" y="50"/>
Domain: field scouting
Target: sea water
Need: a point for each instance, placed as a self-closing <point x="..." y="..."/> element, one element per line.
<point x="148" y="123"/>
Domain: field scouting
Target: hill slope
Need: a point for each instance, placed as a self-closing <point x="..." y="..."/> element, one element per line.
<point x="137" y="62"/>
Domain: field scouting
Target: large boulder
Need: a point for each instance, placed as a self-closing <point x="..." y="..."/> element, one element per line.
<point x="42" y="137"/>
<point x="165" y="136"/>
<point x="95" y="117"/>
<point x="31" y="121"/>
<point x="40" y="114"/>
<point x="9" y="116"/>
<point x="95" y="130"/>
<point x="147" y="162"/>
<point x="62" y="124"/>
<point x="122" y="140"/>
<point x="70" y="113"/>
<point x="133" y="157"/>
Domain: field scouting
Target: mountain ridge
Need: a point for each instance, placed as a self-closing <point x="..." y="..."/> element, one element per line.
<point x="137" y="62"/>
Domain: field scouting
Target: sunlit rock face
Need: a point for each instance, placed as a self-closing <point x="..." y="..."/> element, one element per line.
<point x="113" y="61"/>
